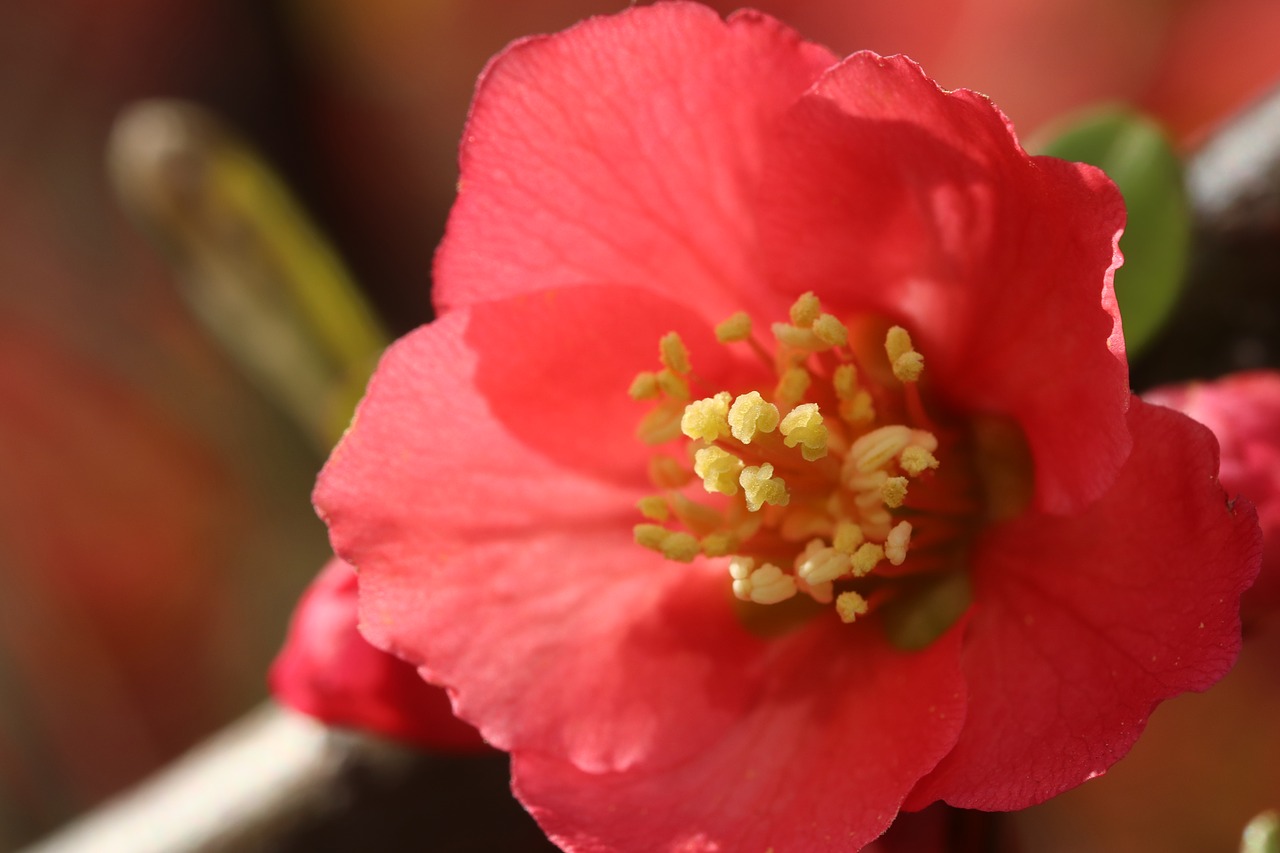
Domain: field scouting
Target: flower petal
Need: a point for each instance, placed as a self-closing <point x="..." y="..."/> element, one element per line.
<point x="1082" y="625"/>
<point x="622" y="150"/>
<point x="888" y="195"/>
<point x="328" y="671"/>
<point x="820" y="762"/>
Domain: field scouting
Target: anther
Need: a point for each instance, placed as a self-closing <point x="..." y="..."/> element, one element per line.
<point x="718" y="469"/>
<point x="672" y="385"/>
<point x="750" y="414"/>
<point x="848" y="537"/>
<point x="792" y="386"/>
<point x="876" y="448"/>
<point x="916" y="460"/>
<point x="736" y="328"/>
<point x="760" y="487"/>
<point x="866" y="558"/>
<point x="906" y="362"/>
<point x="765" y="585"/>
<point x="654" y="507"/>
<point x="644" y="386"/>
<point x="895" y="545"/>
<point x="707" y="419"/>
<point x="820" y="564"/>
<point x="830" y="331"/>
<point x="894" y="491"/>
<point x="672" y="353"/>
<point x="850" y="606"/>
<point x="803" y="426"/>
<point x="805" y="310"/>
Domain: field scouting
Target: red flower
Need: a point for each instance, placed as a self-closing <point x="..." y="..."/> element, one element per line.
<point x="1243" y="411"/>
<point x="329" y="671"/>
<point x="641" y="178"/>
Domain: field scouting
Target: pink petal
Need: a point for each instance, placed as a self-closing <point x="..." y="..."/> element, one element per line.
<point x="1243" y="411"/>
<point x="622" y="151"/>
<point x="511" y="576"/>
<point x="1082" y="625"/>
<point x="821" y="761"/>
<point x="328" y="671"/>
<point x="892" y="197"/>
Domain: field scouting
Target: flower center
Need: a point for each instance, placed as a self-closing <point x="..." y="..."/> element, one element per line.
<point x="835" y="483"/>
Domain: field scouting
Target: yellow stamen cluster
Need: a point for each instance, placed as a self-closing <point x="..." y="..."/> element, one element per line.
<point x="819" y="489"/>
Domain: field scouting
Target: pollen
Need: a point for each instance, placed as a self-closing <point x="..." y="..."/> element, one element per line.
<point x="707" y="419"/>
<point x="907" y="364"/>
<point x="719" y="470"/>
<point x="751" y="414"/>
<point x="803" y="426"/>
<point x="850" y="606"/>
<point x="826" y="508"/>
<point x="734" y="329"/>
<point x="761" y="487"/>
<point x="673" y="354"/>
<point x="805" y="310"/>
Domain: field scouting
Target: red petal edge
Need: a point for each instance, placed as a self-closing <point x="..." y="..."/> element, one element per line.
<point x="1082" y="625"/>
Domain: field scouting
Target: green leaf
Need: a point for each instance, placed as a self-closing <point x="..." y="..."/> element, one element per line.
<point x="1137" y="155"/>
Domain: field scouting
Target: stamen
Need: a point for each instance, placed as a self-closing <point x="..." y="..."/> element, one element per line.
<point x="792" y="386"/>
<point x="654" y="507"/>
<point x="736" y="328"/>
<point x="831" y="331"/>
<point x="674" y="545"/>
<point x="672" y="385"/>
<point x="718" y="469"/>
<point x="894" y="491"/>
<point x="673" y="354"/>
<point x="866" y="558"/>
<point x="798" y="338"/>
<point x="850" y="606"/>
<point x="805" y="310"/>
<point x="765" y="585"/>
<point x="750" y="414"/>
<point x="848" y="537"/>
<point x="707" y="419"/>
<point x="803" y="425"/>
<point x="760" y="487"/>
<point x="659" y="426"/>
<point x="906" y="362"/>
<point x="895" y="545"/>
<point x="644" y="386"/>
<point x="916" y="460"/>
<point x="819" y="564"/>
<point x="877" y="447"/>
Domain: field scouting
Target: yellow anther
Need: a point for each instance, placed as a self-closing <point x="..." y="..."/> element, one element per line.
<point x="650" y="535"/>
<point x="718" y="469"/>
<point x="797" y="338"/>
<point x="644" y="386"/>
<point x="868" y="555"/>
<point x="916" y="460"/>
<point x="850" y="606"/>
<point x="672" y="385"/>
<point x="654" y="507"/>
<point x="765" y="585"/>
<point x="821" y="564"/>
<point x="760" y="487"/>
<point x="736" y="328"/>
<point x="805" y="310"/>
<point x="792" y="386"/>
<point x="895" y="545"/>
<point x="906" y="362"/>
<point x="681" y="547"/>
<point x="698" y="517"/>
<point x="830" y="331"/>
<point x="848" y="537"/>
<point x="707" y="419"/>
<point x="876" y="448"/>
<point x="719" y="544"/>
<point x="666" y="472"/>
<point x="750" y="414"/>
<point x="894" y="491"/>
<point x="803" y="426"/>
<point x="672" y="353"/>
<point x="845" y="381"/>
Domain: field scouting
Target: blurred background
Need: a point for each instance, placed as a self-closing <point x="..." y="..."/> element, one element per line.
<point x="155" y="526"/>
